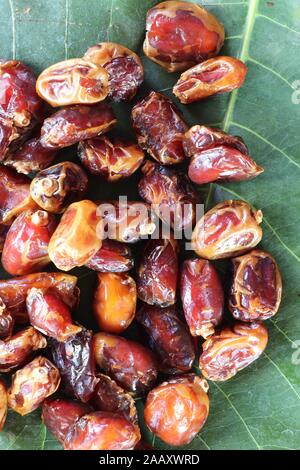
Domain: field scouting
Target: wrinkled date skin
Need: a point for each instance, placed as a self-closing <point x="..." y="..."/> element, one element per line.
<point x="181" y="34"/>
<point x="232" y="349"/>
<point x="114" y="301"/>
<point x="124" y="67"/>
<point x="7" y="321"/>
<point x="54" y="188"/>
<point x="256" y="288"/>
<point x="159" y="128"/>
<point x="77" y="237"/>
<point x="113" y="256"/>
<point x="172" y="196"/>
<point x="31" y="385"/>
<point x="26" y="245"/>
<point x="158" y="273"/>
<point x="60" y="414"/>
<point x="202" y="296"/>
<point x="3" y="404"/>
<point x="50" y="315"/>
<point x="3" y="232"/>
<point x="15" y="351"/>
<point x="114" y="159"/>
<point x="212" y="77"/>
<point x="229" y="229"/>
<point x="169" y="337"/>
<point x="102" y="430"/>
<point x="74" y="123"/>
<point x="75" y="360"/>
<point x="176" y="410"/>
<point x="73" y="81"/>
<point x="132" y="365"/>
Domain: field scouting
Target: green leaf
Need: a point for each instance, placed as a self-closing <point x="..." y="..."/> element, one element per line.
<point x="260" y="407"/>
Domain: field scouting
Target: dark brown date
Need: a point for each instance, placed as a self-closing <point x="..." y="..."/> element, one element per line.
<point x="31" y="157"/>
<point x="3" y="404"/>
<point x="113" y="257"/>
<point x="6" y="321"/>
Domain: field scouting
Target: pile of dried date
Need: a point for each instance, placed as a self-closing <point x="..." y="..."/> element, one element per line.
<point x="45" y="218"/>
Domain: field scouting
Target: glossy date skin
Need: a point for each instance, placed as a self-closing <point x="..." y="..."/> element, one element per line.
<point x="132" y="365"/>
<point x="31" y="385"/>
<point x="158" y="273"/>
<point x="176" y="410"/>
<point x="159" y="128"/>
<point x="54" y="188"/>
<point x="75" y="360"/>
<point x="124" y="67"/>
<point x="169" y="337"/>
<point x="114" y="159"/>
<point x="229" y="229"/>
<point x="232" y="349"/>
<point x="181" y="34"/>
<point x="202" y="296"/>
<point x="212" y="77"/>
<point x="74" y="123"/>
<point x="113" y="256"/>
<point x="3" y="404"/>
<point x="256" y="288"/>
<point x="26" y="245"/>
<point x="7" y="321"/>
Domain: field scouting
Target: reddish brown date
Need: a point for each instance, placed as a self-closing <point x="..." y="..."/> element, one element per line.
<point x="181" y="34"/>
<point x="159" y="128"/>
<point x="124" y="67"/>
<point x="17" y="350"/>
<point x="114" y="159"/>
<point x="212" y="77"/>
<point x="73" y="81"/>
<point x="232" y="349"/>
<point x="6" y="321"/>
<point x="31" y="385"/>
<point x="78" y="236"/>
<point x="74" y="123"/>
<point x="176" y="410"/>
<point x="229" y="229"/>
<point x="8" y="134"/>
<point x="202" y="296"/>
<point x="256" y="288"/>
<point x="75" y="360"/>
<point x="102" y="430"/>
<point x="114" y="301"/>
<point x="54" y="188"/>
<point x="158" y="273"/>
<point x="26" y="245"/>
<point x="172" y="196"/>
<point x="169" y="337"/>
<point x="132" y="365"/>
<point x="3" y="404"/>
<point x="60" y="414"/>
<point x="113" y="257"/>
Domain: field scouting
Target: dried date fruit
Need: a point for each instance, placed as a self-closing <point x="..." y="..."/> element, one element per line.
<point x="102" y="430"/>
<point x="169" y="337"/>
<point x="158" y="272"/>
<point x="6" y="321"/>
<point x="229" y="229"/>
<point x="50" y="315"/>
<point x="113" y="159"/>
<point x="3" y="404"/>
<point x="181" y="34"/>
<point x="171" y="195"/>
<point x="212" y="77"/>
<point x="74" y="123"/>
<point x="202" y="296"/>
<point x="159" y="128"/>
<point x="114" y="301"/>
<point x="3" y="232"/>
<point x="124" y="67"/>
<point x="31" y="385"/>
<point x="73" y="81"/>
<point x="176" y="410"/>
<point x="60" y="414"/>
<point x="78" y="236"/>
<point x="7" y="135"/>
<point x="113" y="257"/>
<point x="232" y="349"/>
<point x="54" y="188"/>
<point x="256" y="288"/>
<point x="17" y="350"/>
<point x="132" y="365"/>
<point x="26" y="245"/>
<point x="75" y="360"/>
